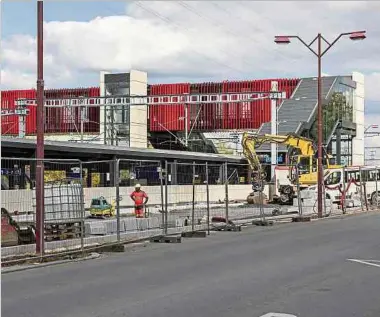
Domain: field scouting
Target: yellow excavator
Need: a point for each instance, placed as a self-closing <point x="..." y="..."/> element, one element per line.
<point x="302" y="158"/>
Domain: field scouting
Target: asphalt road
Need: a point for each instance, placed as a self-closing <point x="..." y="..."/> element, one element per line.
<point x="299" y="269"/>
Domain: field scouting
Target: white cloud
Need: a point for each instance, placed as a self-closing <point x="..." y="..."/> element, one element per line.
<point x="202" y="39"/>
<point x="372" y="86"/>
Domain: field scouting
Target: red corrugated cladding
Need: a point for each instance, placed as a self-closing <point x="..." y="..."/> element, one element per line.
<point x="63" y="120"/>
<point x="168" y="117"/>
<point x="209" y="115"/>
<point x="58" y="120"/>
<point x="9" y="124"/>
<point x="250" y="115"/>
<point x="247" y="115"/>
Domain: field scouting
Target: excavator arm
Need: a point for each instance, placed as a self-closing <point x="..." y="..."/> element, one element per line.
<point x="301" y="145"/>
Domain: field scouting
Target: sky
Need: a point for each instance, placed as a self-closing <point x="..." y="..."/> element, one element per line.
<point x="180" y="41"/>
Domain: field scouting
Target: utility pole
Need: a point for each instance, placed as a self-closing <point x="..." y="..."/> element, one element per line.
<point x="285" y="39"/>
<point x="40" y="151"/>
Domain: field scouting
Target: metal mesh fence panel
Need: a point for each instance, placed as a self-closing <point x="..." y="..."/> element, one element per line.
<point x="62" y="228"/>
<point x="18" y="221"/>
<point x="63" y="206"/>
<point x="136" y="216"/>
<point x="180" y="195"/>
<point x="200" y="206"/>
<point x="100" y="199"/>
<point x="243" y="202"/>
<point x="218" y="194"/>
<point x="346" y="188"/>
<point x="369" y="181"/>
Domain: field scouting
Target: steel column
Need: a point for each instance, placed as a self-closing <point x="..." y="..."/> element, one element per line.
<point x="320" y="128"/>
<point x="274" y="88"/>
<point x="40" y="134"/>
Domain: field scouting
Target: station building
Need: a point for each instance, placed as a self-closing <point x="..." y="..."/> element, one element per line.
<point x="209" y="128"/>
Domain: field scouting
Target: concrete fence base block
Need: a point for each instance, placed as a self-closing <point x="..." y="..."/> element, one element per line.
<point x="194" y="234"/>
<point x="301" y="219"/>
<point x="264" y="223"/>
<point x="229" y="227"/>
<point x="95" y="228"/>
<point x="112" y="248"/>
<point x="166" y="239"/>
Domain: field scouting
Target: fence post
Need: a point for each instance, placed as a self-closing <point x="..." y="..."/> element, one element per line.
<point x="377" y="177"/>
<point x="40" y="208"/>
<point x="82" y="227"/>
<point x="117" y="184"/>
<point x="193" y="201"/>
<point x="361" y="188"/>
<point x="162" y="197"/>
<point x="343" y="200"/>
<point x="166" y="198"/>
<point x="226" y="189"/>
<point x="300" y="210"/>
<point x="261" y="199"/>
<point x="207" y="201"/>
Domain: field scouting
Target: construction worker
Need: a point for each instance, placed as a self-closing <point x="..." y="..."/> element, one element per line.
<point x="140" y="198"/>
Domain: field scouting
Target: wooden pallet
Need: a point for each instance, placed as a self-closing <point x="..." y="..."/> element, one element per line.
<point x="62" y="231"/>
<point x="61" y="236"/>
<point x="62" y="226"/>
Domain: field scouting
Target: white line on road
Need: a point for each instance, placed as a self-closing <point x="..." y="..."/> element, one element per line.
<point x="367" y="262"/>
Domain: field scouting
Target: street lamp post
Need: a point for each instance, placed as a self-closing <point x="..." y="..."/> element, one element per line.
<point x="285" y="39"/>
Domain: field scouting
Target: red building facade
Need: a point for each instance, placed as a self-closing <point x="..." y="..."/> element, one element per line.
<point x="57" y="120"/>
<point x="228" y="116"/>
<point x="243" y="115"/>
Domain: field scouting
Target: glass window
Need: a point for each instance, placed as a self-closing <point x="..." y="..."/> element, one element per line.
<point x="334" y="178"/>
<point x="352" y="175"/>
<point x="339" y="107"/>
<point x="304" y="165"/>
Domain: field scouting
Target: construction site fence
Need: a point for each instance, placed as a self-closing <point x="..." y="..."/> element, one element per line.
<point x="88" y="204"/>
<point x="62" y="223"/>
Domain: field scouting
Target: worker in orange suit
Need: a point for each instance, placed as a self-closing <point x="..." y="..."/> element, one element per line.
<point x="140" y="198"/>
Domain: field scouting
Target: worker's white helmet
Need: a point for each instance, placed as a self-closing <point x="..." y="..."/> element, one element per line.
<point x="137" y="186"/>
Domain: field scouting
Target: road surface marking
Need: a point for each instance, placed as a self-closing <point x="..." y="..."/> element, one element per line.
<point x="277" y="315"/>
<point x="368" y="262"/>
